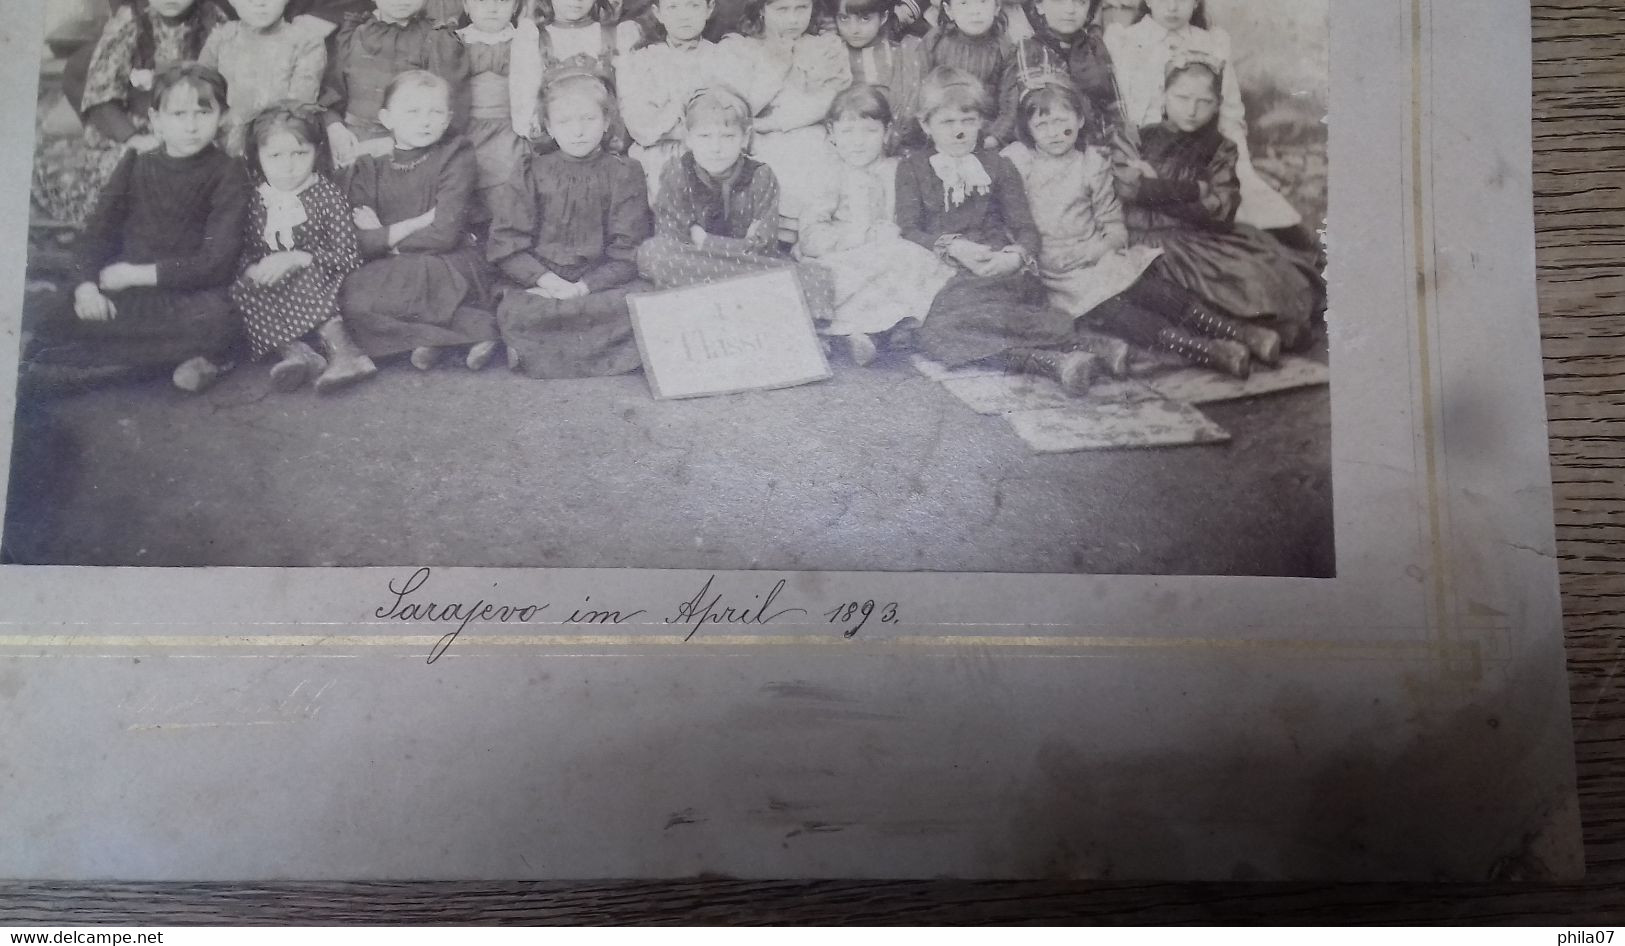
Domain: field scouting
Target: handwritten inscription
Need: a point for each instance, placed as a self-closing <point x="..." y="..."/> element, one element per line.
<point x="706" y="608"/>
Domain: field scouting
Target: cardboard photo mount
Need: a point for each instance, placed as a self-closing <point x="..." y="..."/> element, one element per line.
<point x="747" y="333"/>
<point x="1406" y="720"/>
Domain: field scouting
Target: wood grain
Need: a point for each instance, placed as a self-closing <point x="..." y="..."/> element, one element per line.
<point x="1579" y="71"/>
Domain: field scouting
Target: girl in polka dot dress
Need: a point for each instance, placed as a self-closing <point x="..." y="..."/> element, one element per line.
<point x="299" y="245"/>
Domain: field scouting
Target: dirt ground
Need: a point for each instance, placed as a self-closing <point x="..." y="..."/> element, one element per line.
<point x="877" y="469"/>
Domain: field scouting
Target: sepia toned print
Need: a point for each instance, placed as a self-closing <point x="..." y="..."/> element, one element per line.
<point x="1032" y="287"/>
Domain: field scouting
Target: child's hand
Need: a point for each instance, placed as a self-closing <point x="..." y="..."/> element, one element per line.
<point x="367" y="219"/>
<point x="971" y="255"/>
<point x="554" y="286"/>
<point x="277" y="266"/>
<point x="343" y="143"/>
<point x="1004" y="262"/>
<point x="90" y="305"/>
<point x="697" y="235"/>
<point x="1145" y="170"/>
<point x="990" y="143"/>
<point x="422" y="221"/>
<point x="120" y="276"/>
<point x="377" y="147"/>
<point x="143" y="143"/>
<point x="759" y="231"/>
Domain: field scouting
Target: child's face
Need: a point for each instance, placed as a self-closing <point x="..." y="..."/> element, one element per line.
<point x="572" y="11"/>
<point x="973" y="17"/>
<point x="578" y="124"/>
<point x="684" y="20"/>
<point x="859" y="141"/>
<point x="786" y="19"/>
<point x="953" y="130"/>
<point x="1190" y="101"/>
<point x="1172" y="14"/>
<point x="716" y="146"/>
<point x="399" y="10"/>
<point x="171" y="9"/>
<point x="286" y="161"/>
<point x="259" y="14"/>
<point x="416" y="116"/>
<point x="859" y="30"/>
<point x="1055" y="131"/>
<point x="489" y="16"/>
<point x="1064" y="17"/>
<point x="184" y="122"/>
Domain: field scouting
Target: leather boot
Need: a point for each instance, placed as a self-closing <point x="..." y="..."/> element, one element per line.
<point x="346" y="363"/>
<point x="1074" y="370"/>
<point x="299" y="364"/>
<point x="1262" y="343"/>
<point x="1220" y="354"/>
<point x="1112" y="353"/>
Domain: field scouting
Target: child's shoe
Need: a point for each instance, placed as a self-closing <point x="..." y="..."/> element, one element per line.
<point x="424" y="358"/>
<point x="1263" y="345"/>
<point x="860" y="348"/>
<point x="346" y="364"/>
<point x="1074" y="370"/>
<point x="196" y="375"/>
<point x="480" y="355"/>
<point x="299" y="364"/>
<point x="1112" y="353"/>
<point x="1231" y="358"/>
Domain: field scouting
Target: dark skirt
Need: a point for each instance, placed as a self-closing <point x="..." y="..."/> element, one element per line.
<point x="419" y="300"/>
<point x="153" y="330"/>
<point x="673" y="264"/>
<point x="587" y="337"/>
<point x="1242" y="272"/>
<point x="973" y="318"/>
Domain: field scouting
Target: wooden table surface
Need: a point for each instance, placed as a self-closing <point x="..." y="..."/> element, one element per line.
<point x="1579" y="71"/>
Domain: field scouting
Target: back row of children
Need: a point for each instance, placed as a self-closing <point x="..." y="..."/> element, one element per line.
<point x="495" y="142"/>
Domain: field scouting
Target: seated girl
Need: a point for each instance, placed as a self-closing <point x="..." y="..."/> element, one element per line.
<point x="656" y="81"/>
<point x="297" y="249"/>
<point x="265" y="59"/>
<point x="158" y="253"/>
<point x="789" y="73"/>
<point x="1180" y="195"/>
<point x="1086" y="262"/>
<point x="881" y="281"/>
<point x="424" y="286"/>
<point x="369" y="51"/>
<point x="971" y="209"/>
<point x="140" y="39"/>
<point x="565" y="237"/>
<point x="1140" y="56"/>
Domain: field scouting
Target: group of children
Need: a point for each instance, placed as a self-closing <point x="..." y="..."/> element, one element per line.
<point x="336" y="185"/>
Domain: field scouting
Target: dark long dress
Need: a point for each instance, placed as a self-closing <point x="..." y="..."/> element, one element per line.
<point x="367" y="53"/>
<point x="302" y="301"/>
<point x="186" y="216"/>
<point x="976" y="317"/>
<point x="433" y="289"/>
<point x="1189" y="210"/>
<point x="581" y="219"/>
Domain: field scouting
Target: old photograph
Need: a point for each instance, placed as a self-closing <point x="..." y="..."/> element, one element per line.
<point x="1008" y="286"/>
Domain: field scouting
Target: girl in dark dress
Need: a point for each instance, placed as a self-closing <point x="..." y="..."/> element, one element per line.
<point x="971" y="209"/>
<point x="1180" y="193"/>
<point x="971" y="37"/>
<point x="425" y="285"/>
<point x="157" y="255"/>
<point x="1067" y="41"/>
<point x="298" y="247"/>
<point x="565" y="236"/>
